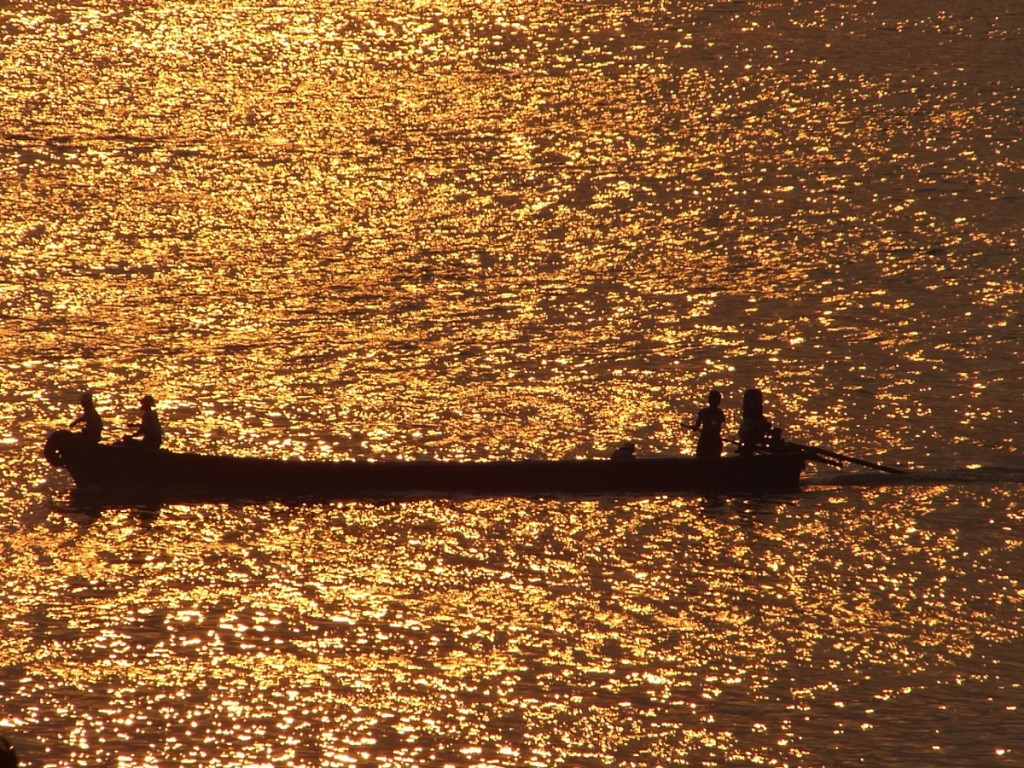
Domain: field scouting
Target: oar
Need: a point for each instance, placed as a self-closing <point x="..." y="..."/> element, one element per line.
<point x="814" y="456"/>
<point x="849" y="459"/>
<point x="810" y="455"/>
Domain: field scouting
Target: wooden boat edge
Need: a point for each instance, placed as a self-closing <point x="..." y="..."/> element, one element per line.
<point x="201" y="476"/>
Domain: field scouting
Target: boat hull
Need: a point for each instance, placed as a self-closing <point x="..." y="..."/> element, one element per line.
<point x="122" y="468"/>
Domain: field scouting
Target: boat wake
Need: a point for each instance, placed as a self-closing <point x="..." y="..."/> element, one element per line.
<point x="961" y="476"/>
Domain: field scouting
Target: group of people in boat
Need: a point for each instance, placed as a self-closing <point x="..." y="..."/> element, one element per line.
<point x="756" y="432"/>
<point x="148" y="434"/>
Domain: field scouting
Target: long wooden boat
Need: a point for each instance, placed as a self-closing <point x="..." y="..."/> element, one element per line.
<point x="165" y="474"/>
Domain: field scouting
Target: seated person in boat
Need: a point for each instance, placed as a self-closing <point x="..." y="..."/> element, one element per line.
<point x="776" y="443"/>
<point x="709" y="423"/>
<point x="755" y="429"/>
<point x="149" y="430"/>
<point x="624" y="452"/>
<point x="92" y="424"/>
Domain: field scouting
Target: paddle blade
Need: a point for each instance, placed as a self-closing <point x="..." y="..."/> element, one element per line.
<point x="814" y="450"/>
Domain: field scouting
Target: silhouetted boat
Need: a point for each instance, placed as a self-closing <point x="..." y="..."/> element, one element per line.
<point x="165" y="474"/>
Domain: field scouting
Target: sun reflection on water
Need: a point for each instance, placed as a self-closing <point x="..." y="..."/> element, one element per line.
<point x="465" y="230"/>
<point x="507" y="631"/>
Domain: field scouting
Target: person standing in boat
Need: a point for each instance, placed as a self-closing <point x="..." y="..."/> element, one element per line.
<point x="755" y="429"/>
<point x="149" y="430"/>
<point x="709" y="423"/>
<point x="92" y="424"/>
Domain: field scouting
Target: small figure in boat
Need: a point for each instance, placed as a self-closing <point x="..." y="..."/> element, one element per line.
<point x="755" y="429"/>
<point x="709" y="423"/>
<point x="92" y="424"/>
<point x="149" y="430"/>
<point x="624" y="452"/>
<point x="776" y="443"/>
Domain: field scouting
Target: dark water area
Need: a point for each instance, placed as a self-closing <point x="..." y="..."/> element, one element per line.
<point x="479" y="230"/>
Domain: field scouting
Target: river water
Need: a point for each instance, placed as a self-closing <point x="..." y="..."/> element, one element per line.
<point x="515" y="229"/>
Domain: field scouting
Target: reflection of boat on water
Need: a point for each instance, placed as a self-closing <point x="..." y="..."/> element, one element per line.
<point x="165" y="474"/>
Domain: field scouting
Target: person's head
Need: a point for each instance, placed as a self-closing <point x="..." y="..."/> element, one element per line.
<point x="86" y="399"/>
<point x="148" y="401"/>
<point x="714" y="397"/>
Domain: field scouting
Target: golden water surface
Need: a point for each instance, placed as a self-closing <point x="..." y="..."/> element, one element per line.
<point x="503" y="229"/>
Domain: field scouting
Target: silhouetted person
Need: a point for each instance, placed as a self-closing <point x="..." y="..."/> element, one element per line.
<point x="709" y="423"/>
<point x="8" y="757"/>
<point x="624" y="452"/>
<point x="92" y="424"/>
<point x="149" y="430"/>
<point x="755" y="429"/>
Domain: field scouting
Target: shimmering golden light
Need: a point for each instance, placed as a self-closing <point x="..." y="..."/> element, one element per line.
<point x="475" y="229"/>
